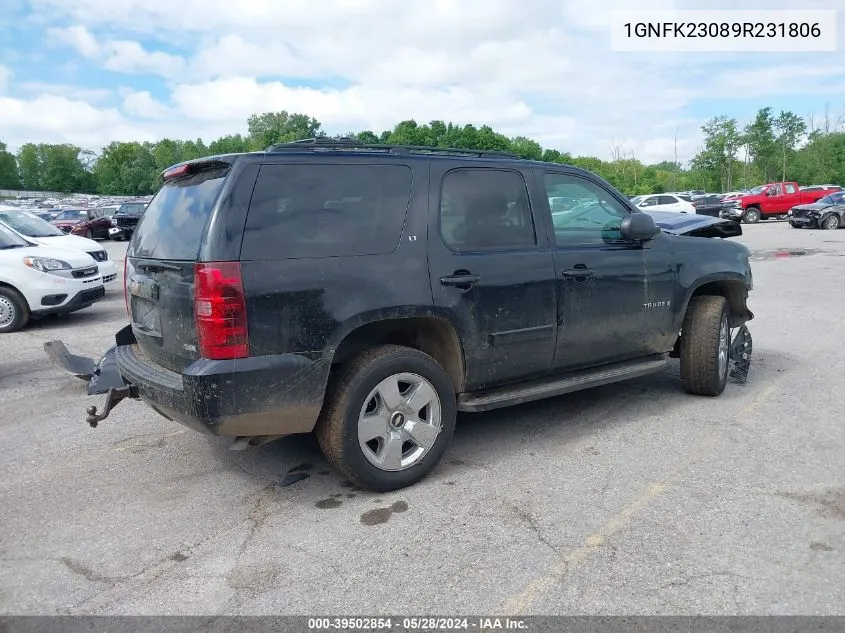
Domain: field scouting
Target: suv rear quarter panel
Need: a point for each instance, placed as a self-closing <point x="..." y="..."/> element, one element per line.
<point x="308" y="305"/>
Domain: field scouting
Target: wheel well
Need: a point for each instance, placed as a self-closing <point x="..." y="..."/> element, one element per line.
<point x="734" y="292"/>
<point x="431" y="335"/>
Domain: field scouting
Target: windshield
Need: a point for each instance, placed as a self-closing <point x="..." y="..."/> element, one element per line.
<point x="73" y="214"/>
<point x="135" y="207"/>
<point x="10" y="239"/>
<point x="834" y="198"/>
<point x="758" y="190"/>
<point x="29" y="225"/>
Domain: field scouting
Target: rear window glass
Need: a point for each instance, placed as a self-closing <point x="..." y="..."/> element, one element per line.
<point x="302" y="211"/>
<point x="174" y="222"/>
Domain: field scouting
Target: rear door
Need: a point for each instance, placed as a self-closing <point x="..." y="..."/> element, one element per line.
<point x="160" y="265"/>
<point x="492" y="272"/>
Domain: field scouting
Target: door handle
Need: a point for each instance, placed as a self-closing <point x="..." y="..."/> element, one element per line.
<point x="579" y="274"/>
<point x="462" y="279"/>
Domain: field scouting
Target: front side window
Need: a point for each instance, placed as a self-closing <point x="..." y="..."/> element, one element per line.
<point x="483" y="209"/>
<point x="593" y="215"/>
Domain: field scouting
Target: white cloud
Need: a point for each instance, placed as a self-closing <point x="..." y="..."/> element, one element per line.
<point x="69" y="91"/>
<point x="539" y="68"/>
<point x="124" y="56"/>
<point x="78" y="37"/>
<point x="143" y="105"/>
<point x="5" y="75"/>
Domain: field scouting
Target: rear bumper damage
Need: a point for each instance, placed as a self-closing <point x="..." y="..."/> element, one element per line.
<point x="258" y="397"/>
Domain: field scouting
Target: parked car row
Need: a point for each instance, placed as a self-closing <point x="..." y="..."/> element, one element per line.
<point x="44" y="271"/>
<point x="93" y="217"/>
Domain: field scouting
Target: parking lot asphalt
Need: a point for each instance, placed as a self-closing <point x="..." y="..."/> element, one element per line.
<point x="633" y="498"/>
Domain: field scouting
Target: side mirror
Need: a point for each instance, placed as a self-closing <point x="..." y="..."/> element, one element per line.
<point x="638" y="227"/>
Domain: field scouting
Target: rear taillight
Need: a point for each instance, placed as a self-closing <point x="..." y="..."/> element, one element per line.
<point x="220" y="311"/>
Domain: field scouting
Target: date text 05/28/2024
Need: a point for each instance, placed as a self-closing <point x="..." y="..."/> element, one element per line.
<point x="724" y="31"/>
<point x="417" y="624"/>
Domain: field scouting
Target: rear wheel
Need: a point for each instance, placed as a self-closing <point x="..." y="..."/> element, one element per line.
<point x="751" y="215"/>
<point x="14" y="311"/>
<point x="389" y="417"/>
<point x="830" y="222"/>
<point x="705" y="345"/>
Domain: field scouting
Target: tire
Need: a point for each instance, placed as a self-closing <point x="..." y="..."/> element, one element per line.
<point x="14" y="311"/>
<point x="705" y="340"/>
<point x="830" y="222"/>
<point x="751" y="215"/>
<point x="795" y="226"/>
<point x="89" y="234"/>
<point x="356" y="389"/>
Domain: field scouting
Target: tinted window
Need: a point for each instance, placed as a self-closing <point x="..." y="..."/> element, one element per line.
<point x="326" y="211"/>
<point x="132" y="207"/>
<point x="593" y="216"/>
<point x="650" y="202"/>
<point x="667" y="200"/>
<point x="173" y="225"/>
<point x="485" y="209"/>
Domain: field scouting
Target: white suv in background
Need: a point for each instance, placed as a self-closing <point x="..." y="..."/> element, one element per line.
<point x="39" y="280"/>
<point x="663" y="202"/>
<point x="34" y="229"/>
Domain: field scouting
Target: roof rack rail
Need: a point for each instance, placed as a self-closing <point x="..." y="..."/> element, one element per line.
<point x="346" y="143"/>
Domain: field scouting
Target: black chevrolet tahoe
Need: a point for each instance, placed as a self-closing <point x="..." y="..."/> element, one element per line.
<point x="370" y="292"/>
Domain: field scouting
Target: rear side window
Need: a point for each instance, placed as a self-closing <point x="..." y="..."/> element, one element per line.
<point x="173" y="224"/>
<point x="485" y="209"/>
<point x="300" y="211"/>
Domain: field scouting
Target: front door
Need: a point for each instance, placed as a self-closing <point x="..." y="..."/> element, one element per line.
<point x="492" y="274"/>
<point x="609" y="308"/>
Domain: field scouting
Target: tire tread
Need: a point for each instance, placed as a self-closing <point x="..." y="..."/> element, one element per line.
<point x="699" y="366"/>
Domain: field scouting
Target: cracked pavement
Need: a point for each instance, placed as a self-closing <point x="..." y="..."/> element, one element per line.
<point x="633" y="498"/>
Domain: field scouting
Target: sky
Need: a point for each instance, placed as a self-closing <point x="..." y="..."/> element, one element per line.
<point x="89" y="72"/>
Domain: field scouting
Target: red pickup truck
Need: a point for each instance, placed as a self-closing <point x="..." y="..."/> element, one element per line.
<point x="768" y="201"/>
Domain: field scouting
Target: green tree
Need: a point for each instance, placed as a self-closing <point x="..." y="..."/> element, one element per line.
<point x="790" y="128"/>
<point x="127" y="169"/>
<point x="280" y="127"/>
<point x="760" y="142"/>
<point x="28" y="165"/>
<point x="54" y="168"/>
<point x="232" y="144"/>
<point x="9" y="176"/>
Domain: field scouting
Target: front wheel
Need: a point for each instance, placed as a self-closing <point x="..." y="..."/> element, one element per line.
<point x="389" y="417"/>
<point x="705" y="346"/>
<point x="830" y="222"/>
<point x="89" y="234"/>
<point x="795" y="226"/>
<point x="751" y="215"/>
<point x="14" y="311"/>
